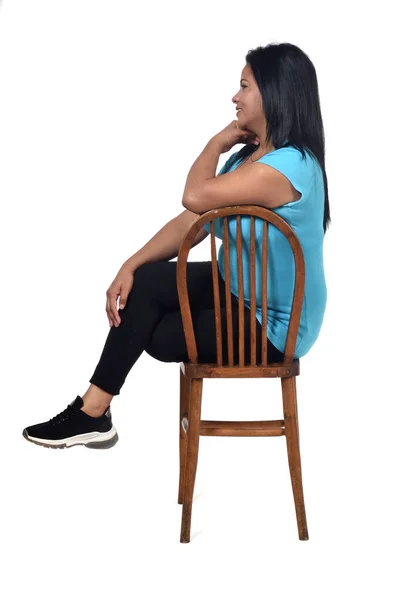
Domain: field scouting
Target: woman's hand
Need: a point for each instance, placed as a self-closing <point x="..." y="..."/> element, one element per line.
<point x="233" y="134"/>
<point x="121" y="286"/>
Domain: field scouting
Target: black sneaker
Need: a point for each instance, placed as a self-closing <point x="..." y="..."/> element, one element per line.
<point x="73" y="426"/>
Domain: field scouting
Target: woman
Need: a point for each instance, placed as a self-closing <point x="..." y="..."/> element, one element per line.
<point x="281" y="167"/>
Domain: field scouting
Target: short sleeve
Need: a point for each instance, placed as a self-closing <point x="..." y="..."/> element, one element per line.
<point x="298" y="170"/>
<point x="217" y="225"/>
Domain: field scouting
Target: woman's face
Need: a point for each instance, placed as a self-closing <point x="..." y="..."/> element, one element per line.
<point x="249" y="101"/>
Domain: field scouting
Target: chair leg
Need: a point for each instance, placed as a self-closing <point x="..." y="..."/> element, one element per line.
<point x="293" y="449"/>
<point x="184" y="390"/>
<point x="193" y="437"/>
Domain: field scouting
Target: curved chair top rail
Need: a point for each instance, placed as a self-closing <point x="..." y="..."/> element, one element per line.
<point x="268" y="216"/>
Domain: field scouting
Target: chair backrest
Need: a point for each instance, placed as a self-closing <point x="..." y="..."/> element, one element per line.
<point x="268" y="216"/>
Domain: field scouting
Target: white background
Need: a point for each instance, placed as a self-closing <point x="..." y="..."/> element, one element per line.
<point x="104" y="107"/>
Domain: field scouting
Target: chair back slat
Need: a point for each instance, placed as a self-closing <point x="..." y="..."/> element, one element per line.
<point x="228" y="299"/>
<point x="268" y="217"/>
<point x="217" y="302"/>
<point x="240" y="289"/>
<point x="264" y="308"/>
<point x="253" y="304"/>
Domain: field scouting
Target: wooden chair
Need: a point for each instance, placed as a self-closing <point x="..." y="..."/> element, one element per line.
<point x="192" y="373"/>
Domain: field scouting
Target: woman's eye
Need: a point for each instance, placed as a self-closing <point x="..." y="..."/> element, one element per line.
<point x="243" y="86"/>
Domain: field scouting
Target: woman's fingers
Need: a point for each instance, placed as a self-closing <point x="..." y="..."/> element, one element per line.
<point x="120" y="288"/>
<point x="109" y="312"/>
<point x="111" y="309"/>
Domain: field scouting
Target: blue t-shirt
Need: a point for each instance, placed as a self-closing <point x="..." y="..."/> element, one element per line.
<point x="305" y="217"/>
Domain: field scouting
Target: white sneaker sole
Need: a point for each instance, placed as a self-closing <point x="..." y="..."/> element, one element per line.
<point x="94" y="439"/>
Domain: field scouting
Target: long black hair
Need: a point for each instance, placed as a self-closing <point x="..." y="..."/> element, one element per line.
<point x="288" y="85"/>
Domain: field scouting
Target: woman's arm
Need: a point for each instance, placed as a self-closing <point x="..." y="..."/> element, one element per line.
<point x="165" y="244"/>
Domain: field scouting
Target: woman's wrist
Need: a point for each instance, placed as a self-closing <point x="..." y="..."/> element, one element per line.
<point x="131" y="264"/>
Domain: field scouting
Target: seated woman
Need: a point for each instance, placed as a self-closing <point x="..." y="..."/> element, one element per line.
<point x="282" y="168"/>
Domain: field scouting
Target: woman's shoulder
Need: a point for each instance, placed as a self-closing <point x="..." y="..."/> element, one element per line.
<point x="294" y="157"/>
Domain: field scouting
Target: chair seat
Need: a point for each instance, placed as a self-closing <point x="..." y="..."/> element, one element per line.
<point x="213" y="370"/>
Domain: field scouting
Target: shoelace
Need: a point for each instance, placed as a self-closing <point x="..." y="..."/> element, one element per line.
<point x="67" y="413"/>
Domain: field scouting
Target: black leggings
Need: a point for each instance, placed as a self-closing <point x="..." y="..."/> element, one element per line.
<point x="151" y="321"/>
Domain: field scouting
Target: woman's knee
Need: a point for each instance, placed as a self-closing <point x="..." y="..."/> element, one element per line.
<point x="146" y="280"/>
<point x="151" y="278"/>
<point x="152" y="271"/>
<point x="144" y="273"/>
